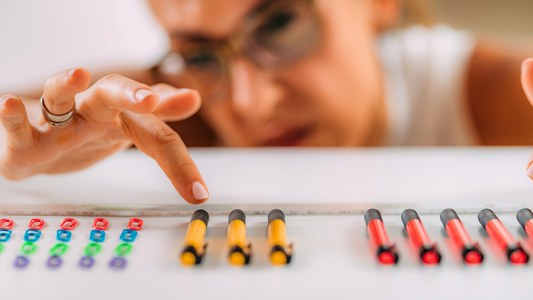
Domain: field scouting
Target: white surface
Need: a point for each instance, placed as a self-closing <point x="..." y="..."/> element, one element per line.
<point x="292" y="176"/>
<point x="332" y="258"/>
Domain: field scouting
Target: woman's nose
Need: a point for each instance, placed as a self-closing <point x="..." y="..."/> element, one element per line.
<point x="255" y="92"/>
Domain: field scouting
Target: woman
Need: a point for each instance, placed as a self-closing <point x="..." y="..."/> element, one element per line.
<point x="277" y="73"/>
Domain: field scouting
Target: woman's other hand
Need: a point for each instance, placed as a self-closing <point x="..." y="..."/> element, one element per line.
<point x="527" y="84"/>
<point x="110" y="115"/>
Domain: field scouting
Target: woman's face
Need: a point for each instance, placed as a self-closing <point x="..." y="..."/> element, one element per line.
<point x="331" y="97"/>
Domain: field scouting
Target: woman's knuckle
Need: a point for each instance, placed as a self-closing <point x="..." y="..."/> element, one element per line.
<point x="107" y="80"/>
<point x="164" y="136"/>
<point x="183" y="164"/>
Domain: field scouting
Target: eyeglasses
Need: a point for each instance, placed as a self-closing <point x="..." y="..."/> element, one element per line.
<point x="273" y="36"/>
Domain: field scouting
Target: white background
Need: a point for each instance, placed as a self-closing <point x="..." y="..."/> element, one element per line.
<point x="40" y="38"/>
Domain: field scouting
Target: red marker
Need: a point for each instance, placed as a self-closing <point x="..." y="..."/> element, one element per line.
<point x="386" y="252"/>
<point x="502" y="237"/>
<point x="428" y="250"/>
<point x="457" y="232"/>
<point x="524" y="217"/>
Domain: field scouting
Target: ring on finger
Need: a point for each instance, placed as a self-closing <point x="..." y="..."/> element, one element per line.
<point x="57" y="120"/>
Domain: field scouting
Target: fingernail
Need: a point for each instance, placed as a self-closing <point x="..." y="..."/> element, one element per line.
<point x="71" y="72"/>
<point x="183" y="91"/>
<point x="530" y="171"/>
<point x="199" y="192"/>
<point x="140" y="95"/>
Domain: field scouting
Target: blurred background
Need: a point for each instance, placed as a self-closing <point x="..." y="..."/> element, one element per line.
<point x="39" y="38"/>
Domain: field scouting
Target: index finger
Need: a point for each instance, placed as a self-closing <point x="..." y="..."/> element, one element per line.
<point x="157" y="140"/>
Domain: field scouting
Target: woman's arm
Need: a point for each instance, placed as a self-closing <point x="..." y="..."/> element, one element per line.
<point x="501" y="111"/>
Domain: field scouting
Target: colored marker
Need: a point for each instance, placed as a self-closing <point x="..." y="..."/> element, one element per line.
<point x="454" y="227"/>
<point x="428" y="250"/>
<point x="385" y="251"/>
<point x="280" y="253"/>
<point x="525" y="218"/>
<point x="239" y="251"/>
<point x="194" y="239"/>
<point x="502" y="237"/>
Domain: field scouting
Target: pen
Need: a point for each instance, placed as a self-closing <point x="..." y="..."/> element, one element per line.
<point x="502" y="237"/>
<point x="427" y="250"/>
<point x="385" y="251"/>
<point x="454" y="227"/>
<point x="239" y="251"/>
<point x="194" y="239"/>
<point x="280" y="253"/>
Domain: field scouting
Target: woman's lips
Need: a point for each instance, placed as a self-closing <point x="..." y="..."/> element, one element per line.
<point x="293" y="137"/>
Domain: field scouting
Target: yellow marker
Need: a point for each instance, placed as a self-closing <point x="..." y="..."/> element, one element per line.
<point x="280" y="253"/>
<point x="239" y="252"/>
<point x="194" y="239"/>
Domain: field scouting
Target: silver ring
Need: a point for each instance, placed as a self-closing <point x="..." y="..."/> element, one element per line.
<point x="57" y="120"/>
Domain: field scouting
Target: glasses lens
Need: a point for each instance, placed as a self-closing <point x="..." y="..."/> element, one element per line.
<point x="198" y="69"/>
<point x="283" y="34"/>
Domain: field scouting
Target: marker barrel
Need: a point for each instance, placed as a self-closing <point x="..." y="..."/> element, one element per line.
<point x="454" y="227"/>
<point x="415" y="230"/>
<point x="385" y="251"/>
<point x="499" y="234"/>
<point x="280" y="253"/>
<point x="239" y="251"/>
<point x="194" y="246"/>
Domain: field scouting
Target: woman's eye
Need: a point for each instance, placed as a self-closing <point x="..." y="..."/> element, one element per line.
<point x="276" y="23"/>
<point x="201" y="61"/>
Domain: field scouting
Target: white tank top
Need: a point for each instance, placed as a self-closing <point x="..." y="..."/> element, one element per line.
<point x="425" y="84"/>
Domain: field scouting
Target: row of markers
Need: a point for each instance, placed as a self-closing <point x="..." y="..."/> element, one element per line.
<point x="239" y="252"/>
<point x="64" y="234"/>
<point x="470" y="251"/>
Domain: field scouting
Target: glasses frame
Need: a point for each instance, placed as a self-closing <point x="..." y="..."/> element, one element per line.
<point x="226" y="50"/>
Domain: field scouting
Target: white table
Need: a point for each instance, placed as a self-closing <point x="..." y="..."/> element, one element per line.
<point x="323" y="192"/>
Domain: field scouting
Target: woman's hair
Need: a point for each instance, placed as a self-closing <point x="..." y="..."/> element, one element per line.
<point x="417" y="12"/>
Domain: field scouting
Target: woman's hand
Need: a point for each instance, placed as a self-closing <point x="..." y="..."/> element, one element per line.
<point x="110" y="115"/>
<point x="527" y="84"/>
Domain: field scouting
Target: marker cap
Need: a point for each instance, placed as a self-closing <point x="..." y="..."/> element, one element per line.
<point x="276" y="214"/>
<point x="447" y="215"/>
<point x="236" y="214"/>
<point x="408" y="215"/>
<point x="372" y="214"/>
<point x="485" y="215"/>
<point x="523" y="216"/>
<point x="200" y="215"/>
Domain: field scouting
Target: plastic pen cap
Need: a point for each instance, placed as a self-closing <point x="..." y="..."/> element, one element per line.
<point x="372" y="214"/>
<point x="200" y="215"/>
<point x="408" y="215"/>
<point x="447" y="215"/>
<point x="237" y="214"/>
<point x="485" y="215"/>
<point x="276" y="214"/>
<point x="523" y="216"/>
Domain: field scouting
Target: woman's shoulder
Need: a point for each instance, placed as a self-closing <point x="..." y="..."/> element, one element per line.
<point x="425" y="70"/>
